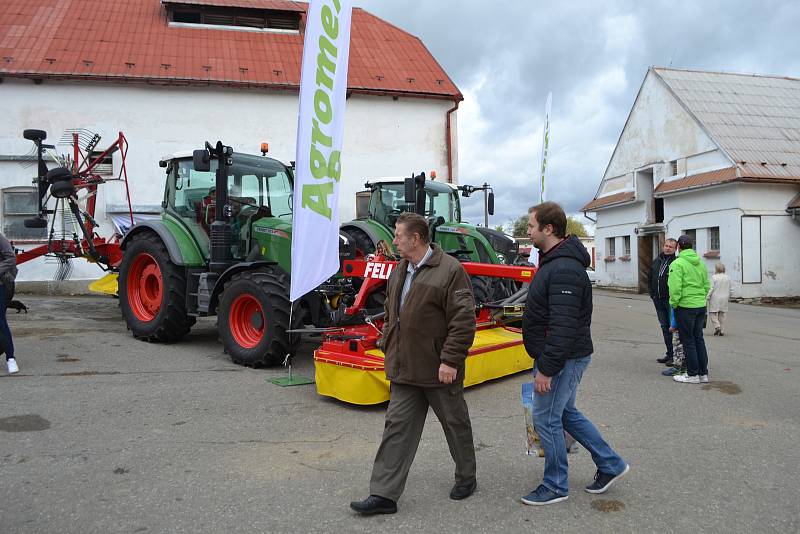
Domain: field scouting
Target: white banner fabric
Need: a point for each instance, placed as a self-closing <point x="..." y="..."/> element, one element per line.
<point x="320" y="129"/>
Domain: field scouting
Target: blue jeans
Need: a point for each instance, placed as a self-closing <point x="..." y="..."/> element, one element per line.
<point x="555" y="412"/>
<point x="5" y="332"/>
<point x="690" y="328"/>
<point x="662" y="310"/>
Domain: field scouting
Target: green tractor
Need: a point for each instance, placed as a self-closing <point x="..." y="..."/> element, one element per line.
<point x="222" y="247"/>
<point x="440" y="204"/>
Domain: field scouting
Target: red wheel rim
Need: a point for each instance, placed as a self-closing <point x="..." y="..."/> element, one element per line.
<point x="247" y="321"/>
<point x="145" y="287"/>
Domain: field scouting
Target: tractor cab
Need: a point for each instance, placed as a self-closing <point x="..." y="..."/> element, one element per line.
<point x="388" y="200"/>
<point x="259" y="194"/>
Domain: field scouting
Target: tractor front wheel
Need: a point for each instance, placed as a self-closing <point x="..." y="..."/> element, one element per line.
<point x="254" y="318"/>
<point x="152" y="291"/>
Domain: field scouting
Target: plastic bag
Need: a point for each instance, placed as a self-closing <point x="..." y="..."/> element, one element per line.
<point x="533" y="443"/>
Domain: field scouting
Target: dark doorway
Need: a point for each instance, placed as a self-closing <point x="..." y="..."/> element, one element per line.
<point x="645" y="257"/>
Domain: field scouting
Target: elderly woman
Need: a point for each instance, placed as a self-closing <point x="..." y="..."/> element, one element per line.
<point x="718" y="299"/>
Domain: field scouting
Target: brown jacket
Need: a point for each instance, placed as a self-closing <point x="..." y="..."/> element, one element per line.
<point x="436" y="325"/>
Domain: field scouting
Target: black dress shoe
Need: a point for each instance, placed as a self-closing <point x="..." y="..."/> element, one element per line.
<point x="374" y="505"/>
<point x="462" y="491"/>
<point x="665" y="359"/>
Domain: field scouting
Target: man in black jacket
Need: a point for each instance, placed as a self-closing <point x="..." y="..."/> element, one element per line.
<point x="556" y="332"/>
<point x="659" y="292"/>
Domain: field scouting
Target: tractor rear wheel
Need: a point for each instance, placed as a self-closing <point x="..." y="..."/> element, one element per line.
<point x="254" y="318"/>
<point x="362" y="243"/>
<point x="482" y="289"/>
<point x="152" y="291"/>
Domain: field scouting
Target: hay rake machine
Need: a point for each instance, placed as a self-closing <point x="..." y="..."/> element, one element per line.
<point x="67" y="200"/>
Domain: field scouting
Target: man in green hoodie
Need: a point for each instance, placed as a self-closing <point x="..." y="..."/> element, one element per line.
<point x="688" y="286"/>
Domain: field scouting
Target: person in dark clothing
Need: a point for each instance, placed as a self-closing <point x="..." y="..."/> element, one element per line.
<point x="659" y="292"/>
<point x="556" y="332"/>
<point x="8" y="273"/>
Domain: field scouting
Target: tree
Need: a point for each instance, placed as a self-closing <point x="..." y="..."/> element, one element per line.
<point x="575" y="227"/>
<point x="521" y="226"/>
<point x="500" y="228"/>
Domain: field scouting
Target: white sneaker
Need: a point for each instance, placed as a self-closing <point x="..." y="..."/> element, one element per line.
<point x="13" y="368"/>
<point x="686" y="379"/>
<point x="704" y="379"/>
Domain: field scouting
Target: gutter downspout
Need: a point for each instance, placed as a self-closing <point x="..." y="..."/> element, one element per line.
<point x="449" y="142"/>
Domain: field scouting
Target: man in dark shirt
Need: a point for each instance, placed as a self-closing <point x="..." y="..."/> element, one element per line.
<point x="556" y="332"/>
<point x="659" y="292"/>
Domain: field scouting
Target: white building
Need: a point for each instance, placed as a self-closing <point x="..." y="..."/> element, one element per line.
<point x="172" y="74"/>
<point x="714" y="155"/>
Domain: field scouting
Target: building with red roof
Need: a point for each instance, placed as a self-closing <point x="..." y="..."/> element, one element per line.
<point x="172" y="74"/>
<point x="713" y="155"/>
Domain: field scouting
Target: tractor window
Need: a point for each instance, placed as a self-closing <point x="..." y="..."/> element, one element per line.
<point x="279" y="193"/>
<point x="189" y="189"/>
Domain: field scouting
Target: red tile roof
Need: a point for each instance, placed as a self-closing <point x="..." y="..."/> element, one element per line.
<point x="697" y="180"/>
<point x="133" y="41"/>
<point x="602" y="202"/>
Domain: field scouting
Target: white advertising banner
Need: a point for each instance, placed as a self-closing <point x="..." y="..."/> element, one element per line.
<point x="320" y="128"/>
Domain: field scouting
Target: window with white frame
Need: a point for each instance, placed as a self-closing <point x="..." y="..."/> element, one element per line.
<point x="20" y="203"/>
<point x="713" y="238"/>
<point x="611" y="248"/>
<point x="105" y="167"/>
<point x="626" y="245"/>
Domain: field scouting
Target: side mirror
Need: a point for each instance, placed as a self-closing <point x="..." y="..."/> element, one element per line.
<point x="491" y="203"/>
<point x="201" y="160"/>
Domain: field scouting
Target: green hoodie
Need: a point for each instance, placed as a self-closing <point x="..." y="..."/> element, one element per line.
<point x="688" y="281"/>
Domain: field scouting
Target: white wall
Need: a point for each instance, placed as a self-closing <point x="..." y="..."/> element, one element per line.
<point x="616" y="223"/>
<point x="383" y="136"/>
<point x="724" y="206"/>
<point x="658" y="130"/>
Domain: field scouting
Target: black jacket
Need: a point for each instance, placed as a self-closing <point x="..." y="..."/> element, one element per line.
<point x="659" y="275"/>
<point x="558" y="313"/>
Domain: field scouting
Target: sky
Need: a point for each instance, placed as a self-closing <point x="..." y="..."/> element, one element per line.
<point x="506" y="56"/>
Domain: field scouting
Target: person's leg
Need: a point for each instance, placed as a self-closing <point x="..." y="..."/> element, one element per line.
<point x="700" y="343"/>
<point x="5" y="331"/>
<point x="721" y="319"/>
<point x="405" y="419"/>
<point x="662" y="311"/>
<point x="548" y="410"/>
<point x="715" y="321"/>
<point x="450" y="407"/>
<point x="583" y="430"/>
<point x="686" y="320"/>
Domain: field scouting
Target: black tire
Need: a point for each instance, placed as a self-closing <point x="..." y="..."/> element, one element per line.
<point x="482" y="289"/>
<point x="362" y="243"/>
<point x="253" y="317"/>
<point x="168" y="322"/>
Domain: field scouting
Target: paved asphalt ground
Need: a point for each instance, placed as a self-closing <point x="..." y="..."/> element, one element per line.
<point x="102" y="433"/>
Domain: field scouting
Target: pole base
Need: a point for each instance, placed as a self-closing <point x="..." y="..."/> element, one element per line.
<point x="285" y="381"/>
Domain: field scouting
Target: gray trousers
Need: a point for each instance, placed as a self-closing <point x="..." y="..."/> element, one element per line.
<point x="405" y="419"/>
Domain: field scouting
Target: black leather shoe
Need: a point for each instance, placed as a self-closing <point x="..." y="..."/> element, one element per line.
<point x="665" y="359"/>
<point x="462" y="491"/>
<point x="374" y="505"/>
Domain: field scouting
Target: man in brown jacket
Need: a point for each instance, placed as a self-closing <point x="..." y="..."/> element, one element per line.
<point x="429" y="327"/>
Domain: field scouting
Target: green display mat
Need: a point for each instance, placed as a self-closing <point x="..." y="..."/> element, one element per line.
<point x="284" y="381"/>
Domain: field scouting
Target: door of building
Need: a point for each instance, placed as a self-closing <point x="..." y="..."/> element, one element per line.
<point x="644" y="245"/>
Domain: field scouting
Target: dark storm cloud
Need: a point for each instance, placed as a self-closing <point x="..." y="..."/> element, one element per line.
<point x="593" y="56"/>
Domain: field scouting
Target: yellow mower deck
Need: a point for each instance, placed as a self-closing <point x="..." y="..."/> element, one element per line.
<point x="360" y="379"/>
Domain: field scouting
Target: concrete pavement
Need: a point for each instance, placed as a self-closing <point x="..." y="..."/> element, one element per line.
<point x="103" y="433"/>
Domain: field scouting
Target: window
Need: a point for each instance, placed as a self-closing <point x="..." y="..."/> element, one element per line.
<point x="691" y="233"/>
<point x="673" y="167"/>
<point x="713" y="238"/>
<point x="105" y="167"/>
<point x="20" y="203"/>
<point x="231" y="16"/>
<point x="626" y="245"/>
<point x="611" y="249"/>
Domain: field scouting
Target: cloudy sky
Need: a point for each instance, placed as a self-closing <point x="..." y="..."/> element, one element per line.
<point x="593" y="56"/>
